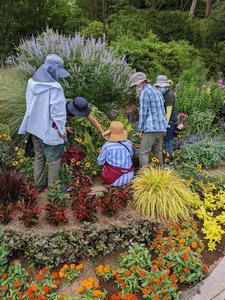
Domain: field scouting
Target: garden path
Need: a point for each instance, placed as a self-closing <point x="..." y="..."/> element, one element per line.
<point x="212" y="288"/>
<point x="217" y="172"/>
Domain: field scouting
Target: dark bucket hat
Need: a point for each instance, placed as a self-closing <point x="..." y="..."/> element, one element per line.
<point x="78" y="107"/>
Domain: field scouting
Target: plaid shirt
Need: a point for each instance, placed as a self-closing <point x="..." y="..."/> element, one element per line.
<point x="152" y="117"/>
<point x="117" y="155"/>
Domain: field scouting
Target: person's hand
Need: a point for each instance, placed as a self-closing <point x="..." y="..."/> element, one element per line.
<point x="63" y="136"/>
<point x="106" y="134"/>
<point x="69" y="129"/>
<point x="141" y="135"/>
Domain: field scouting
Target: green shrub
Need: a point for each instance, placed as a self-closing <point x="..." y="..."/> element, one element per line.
<point x="193" y="97"/>
<point x="3" y="255"/>
<point x="154" y="57"/>
<point x="93" y="29"/>
<point x="12" y="98"/>
<point x="206" y="153"/>
<point x="162" y="195"/>
<point x="201" y="122"/>
<point x="96" y="73"/>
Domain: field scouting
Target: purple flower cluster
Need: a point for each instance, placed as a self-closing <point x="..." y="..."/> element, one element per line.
<point x="221" y="84"/>
<point x="76" y="51"/>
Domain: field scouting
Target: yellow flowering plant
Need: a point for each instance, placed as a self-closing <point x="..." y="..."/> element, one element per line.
<point x="70" y="272"/>
<point x="89" y="290"/>
<point x="105" y="272"/>
<point x="90" y="166"/>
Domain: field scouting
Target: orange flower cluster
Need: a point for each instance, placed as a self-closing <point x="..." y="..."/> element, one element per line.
<point x="89" y="289"/>
<point x="70" y="271"/>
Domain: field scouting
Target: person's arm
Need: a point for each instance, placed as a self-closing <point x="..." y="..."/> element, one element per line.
<point x="58" y="110"/>
<point x="102" y="157"/>
<point x="95" y="123"/>
<point x="169" y="101"/>
<point x="142" y="111"/>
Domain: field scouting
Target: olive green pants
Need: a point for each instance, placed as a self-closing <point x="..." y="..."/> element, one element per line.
<point x="151" y="142"/>
<point x="51" y="155"/>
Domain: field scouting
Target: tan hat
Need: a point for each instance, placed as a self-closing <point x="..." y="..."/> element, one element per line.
<point x="116" y="132"/>
<point x="137" y="78"/>
<point x="162" y="81"/>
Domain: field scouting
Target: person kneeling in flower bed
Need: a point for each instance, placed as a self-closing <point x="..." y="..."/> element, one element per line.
<point x="116" y="156"/>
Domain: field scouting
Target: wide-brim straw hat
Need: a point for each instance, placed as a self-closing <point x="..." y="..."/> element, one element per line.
<point x="162" y="81"/>
<point x="116" y="132"/>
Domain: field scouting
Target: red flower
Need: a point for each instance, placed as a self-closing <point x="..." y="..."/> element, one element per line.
<point x="155" y="297"/>
<point x="31" y="296"/>
<point x="173" y="277"/>
<point x="17" y="284"/>
<point x="158" y="282"/>
<point x="46" y="289"/>
<point x="154" y="269"/>
<point x="54" y="275"/>
<point x="185" y="256"/>
<point x="186" y="270"/>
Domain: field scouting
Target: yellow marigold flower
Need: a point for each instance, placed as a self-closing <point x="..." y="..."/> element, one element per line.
<point x="155" y="160"/>
<point x="94" y="172"/>
<point x="16" y="149"/>
<point x="137" y="145"/>
<point x="100" y="269"/>
<point x="200" y="183"/>
<point x="199" y="167"/>
<point x="21" y="160"/>
<point x="65" y="267"/>
<point x="78" y="163"/>
<point x="61" y="274"/>
<point x="80" y="289"/>
<point x="15" y="163"/>
<point x="72" y="266"/>
<point x="114" y="272"/>
<point x="190" y="180"/>
<point x="194" y="245"/>
<point x="97" y="293"/>
<point x="107" y="269"/>
<point x="88" y="164"/>
<point x="79" y="267"/>
<point x="99" y="150"/>
<point x="77" y="139"/>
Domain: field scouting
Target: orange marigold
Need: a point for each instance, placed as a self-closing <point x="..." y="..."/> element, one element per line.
<point x="54" y="275"/>
<point x="17" y="283"/>
<point x="4" y="275"/>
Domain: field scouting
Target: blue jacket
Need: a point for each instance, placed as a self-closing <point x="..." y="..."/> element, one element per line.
<point x="152" y="117"/>
<point x="45" y="105"/>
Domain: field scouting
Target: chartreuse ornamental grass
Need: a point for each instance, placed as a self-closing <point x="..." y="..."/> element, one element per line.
<point x="162" y="195"/>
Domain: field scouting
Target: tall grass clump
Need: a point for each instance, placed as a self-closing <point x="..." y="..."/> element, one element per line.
<point x="162" y="195"/>
<point x="96" y="72"/>
<point x="12" y="98"/>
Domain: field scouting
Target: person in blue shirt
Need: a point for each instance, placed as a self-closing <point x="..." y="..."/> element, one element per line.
<point x="116" y="156"/>
<point x="152" y="122"/>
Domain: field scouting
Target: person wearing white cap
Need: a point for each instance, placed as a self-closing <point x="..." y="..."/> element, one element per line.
<point x="45" y="118"/>
<point x="152" y="118"/>
<point x="163" y="85"/>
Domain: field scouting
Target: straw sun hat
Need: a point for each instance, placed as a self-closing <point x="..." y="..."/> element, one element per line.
<point x="116" y="132"/>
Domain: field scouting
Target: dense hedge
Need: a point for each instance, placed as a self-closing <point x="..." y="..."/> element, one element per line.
<point x="89" y="240"/>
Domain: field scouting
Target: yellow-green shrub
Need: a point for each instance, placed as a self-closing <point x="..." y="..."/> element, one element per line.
<point x="162" y="195"/>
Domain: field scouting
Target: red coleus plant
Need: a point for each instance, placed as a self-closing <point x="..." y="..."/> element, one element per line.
<point x="112" y="200"/>
<point x="84" y="207"/>
<point x="72" y="155"/>
<point x="55" y="214"/>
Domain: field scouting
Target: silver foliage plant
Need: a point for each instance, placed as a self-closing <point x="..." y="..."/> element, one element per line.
<point x="77" y="53"/>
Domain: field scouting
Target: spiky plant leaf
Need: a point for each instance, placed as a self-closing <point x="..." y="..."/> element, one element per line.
<point x="162" y="195"/>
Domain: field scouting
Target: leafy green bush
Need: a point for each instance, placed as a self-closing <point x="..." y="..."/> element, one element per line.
<point x="200" y="122"/>
<point x="3" y="255"/>
<point x="191" y="97"/>
<point x="93" y="29"/>
<point x="96" y="73"/>
<point x="206" y="153"/>
<point x="154" y="57"/>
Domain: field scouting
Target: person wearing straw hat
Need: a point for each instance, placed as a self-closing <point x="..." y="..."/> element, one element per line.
<point x="116" y="156"/>
<point x="81" y="108"/>
<point x="163" y="85"/>
<point x="152" y="118"/>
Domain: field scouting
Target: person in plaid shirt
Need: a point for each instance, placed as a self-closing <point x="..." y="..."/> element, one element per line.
<point x="152" y="122"/>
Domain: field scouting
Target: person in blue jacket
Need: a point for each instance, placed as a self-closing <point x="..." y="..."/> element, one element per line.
<point x="45" y="118"/>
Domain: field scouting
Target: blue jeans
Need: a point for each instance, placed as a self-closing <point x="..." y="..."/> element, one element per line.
<point x="169" y="139"/>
